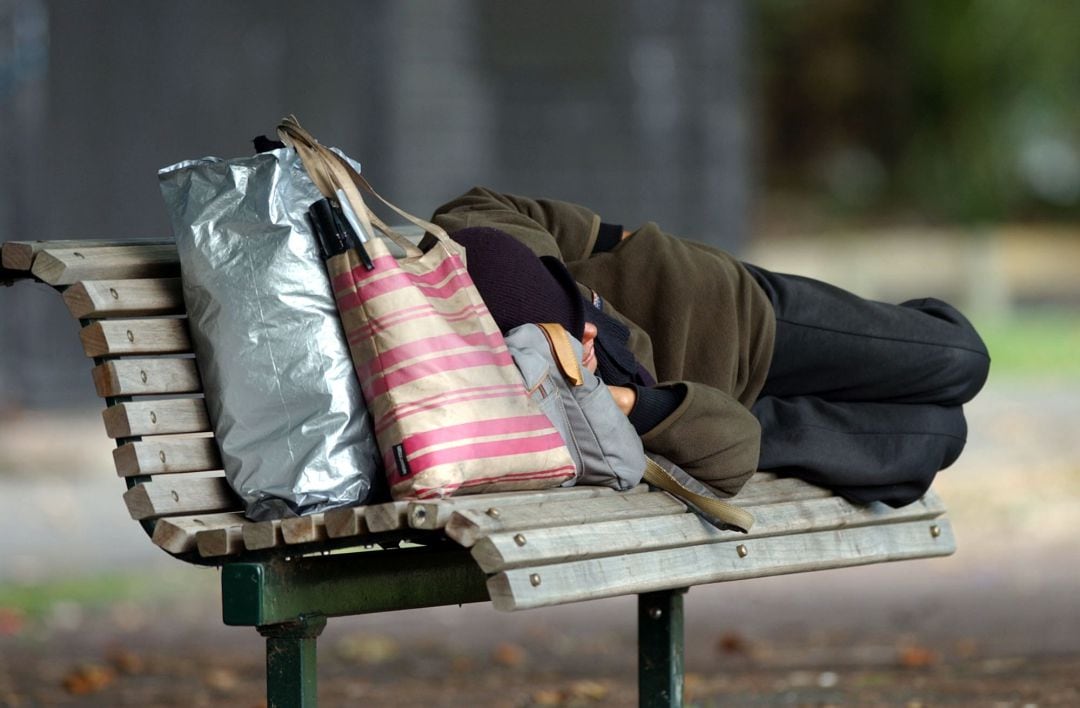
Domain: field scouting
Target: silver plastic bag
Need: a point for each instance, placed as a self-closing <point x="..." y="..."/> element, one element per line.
<point x="286" y="406"/>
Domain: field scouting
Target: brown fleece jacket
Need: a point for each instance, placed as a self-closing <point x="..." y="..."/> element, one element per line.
<point x="697" y="320"/>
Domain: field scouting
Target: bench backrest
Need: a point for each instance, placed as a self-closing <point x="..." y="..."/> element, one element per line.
<point x="127" y="299"/>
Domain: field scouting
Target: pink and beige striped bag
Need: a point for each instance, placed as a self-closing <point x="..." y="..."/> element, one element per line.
<point x="450" y="410"/>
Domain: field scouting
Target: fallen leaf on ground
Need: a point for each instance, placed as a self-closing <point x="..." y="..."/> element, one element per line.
<point x="732" y="643"/>
<point x="547" y="697"/>
<point x="88" y="678"/>
<point x="220" y="679"/>
<point x="511" y="655"/>
<point x="124" y="660"/>
<point x="12" y="621"/>
<point x="916" y="657"/>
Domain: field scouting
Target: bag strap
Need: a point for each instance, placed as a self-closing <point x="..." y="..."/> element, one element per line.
<point x="715" y="509"/>
<point x="330" y="172"/>
<point x="559" y="341"/>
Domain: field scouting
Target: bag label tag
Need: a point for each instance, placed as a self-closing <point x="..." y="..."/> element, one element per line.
<point x="401" y="460"/>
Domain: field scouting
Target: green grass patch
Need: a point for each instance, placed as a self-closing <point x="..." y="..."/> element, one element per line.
<point x="1043" y="343"/>
<point x="36" y="600"/>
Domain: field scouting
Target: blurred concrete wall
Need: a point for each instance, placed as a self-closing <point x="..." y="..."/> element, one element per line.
<point x="633" y="108"/>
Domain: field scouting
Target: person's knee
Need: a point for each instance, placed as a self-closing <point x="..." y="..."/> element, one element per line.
<point x="969" y="367"/>
<point x="973" y="365"/>
<point x="966" y="359"/>
<point x="954" y="424"/>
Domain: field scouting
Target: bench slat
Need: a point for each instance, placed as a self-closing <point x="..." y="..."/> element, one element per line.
<point x="166" y="417"/>
<point x="774" y="490"/>
<point x="303" y="529"/>
<point x="176" y="534"/>
<point x="760" y="477"/>
<point x="469" y="525"/>
<point x="431" y="515"/>
<point x="312" y="528"/>
<point x="260" y="535"/>
<point x="19" y="255"/>
<point x="179" y="496"/>
<point x="139" y="377"/>
<point x="390" y="516"/>
<point x="225" y="541"/>
<point x="169" y="456"/>
<point x="506" y="550"/>
<point x="125" y="337"/>
<point x="345" y="521"/>
<point x="682" y="567"/>
<point x="64" y="266"/>
<point x="124" y="298"/>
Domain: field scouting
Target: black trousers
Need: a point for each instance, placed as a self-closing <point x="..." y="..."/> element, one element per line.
<point x="865" y="397"/>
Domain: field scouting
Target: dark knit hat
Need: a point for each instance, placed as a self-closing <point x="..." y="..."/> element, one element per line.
<point x="518" y="287"/>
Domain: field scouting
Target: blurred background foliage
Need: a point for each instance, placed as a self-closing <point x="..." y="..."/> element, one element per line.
<point x="958" y="111"/>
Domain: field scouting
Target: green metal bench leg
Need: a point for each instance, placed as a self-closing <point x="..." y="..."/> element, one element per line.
<point x="291" y="678"/>
<point x="660" y="649"/>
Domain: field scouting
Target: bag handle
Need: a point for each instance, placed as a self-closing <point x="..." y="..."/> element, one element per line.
<point x="329" y="171"/>
<point x="323" y="169"/>
<point x="715" y="509"/>
<point x="559" y="341"/>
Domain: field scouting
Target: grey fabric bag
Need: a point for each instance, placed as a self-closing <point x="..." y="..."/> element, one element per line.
<point x="606" y="449"/>
<point x="284" y="400"/>
<point x="603" y="443"/>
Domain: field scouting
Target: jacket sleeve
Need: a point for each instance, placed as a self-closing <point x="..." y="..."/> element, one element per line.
<point x="547" y="226"/>
<point x="712" y="436"/>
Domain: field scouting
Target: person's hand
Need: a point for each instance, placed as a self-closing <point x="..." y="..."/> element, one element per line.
<point x="625" y="397"/>
<point x="626" y="234"/>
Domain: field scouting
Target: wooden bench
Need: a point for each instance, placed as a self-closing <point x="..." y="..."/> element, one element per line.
<point x="518" y="551"/>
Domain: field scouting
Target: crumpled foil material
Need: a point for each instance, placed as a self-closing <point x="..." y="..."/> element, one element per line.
<point x="284" y="400"/>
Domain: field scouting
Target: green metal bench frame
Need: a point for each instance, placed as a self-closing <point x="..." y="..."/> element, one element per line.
<point x="288" y="602"/>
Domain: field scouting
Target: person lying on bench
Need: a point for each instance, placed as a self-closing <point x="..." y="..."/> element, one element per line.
<point x="756" y="370"/>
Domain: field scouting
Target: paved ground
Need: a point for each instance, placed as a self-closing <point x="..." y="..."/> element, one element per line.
<point x="996" y="624"/>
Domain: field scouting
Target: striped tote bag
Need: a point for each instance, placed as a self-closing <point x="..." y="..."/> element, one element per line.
<point x="449" y="407"/>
